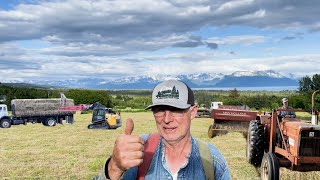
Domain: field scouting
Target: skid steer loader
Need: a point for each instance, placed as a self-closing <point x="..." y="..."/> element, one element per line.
<point x="104" y="117"/>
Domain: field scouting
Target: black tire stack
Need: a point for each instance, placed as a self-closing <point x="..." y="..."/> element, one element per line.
<point x="255" y="143"/>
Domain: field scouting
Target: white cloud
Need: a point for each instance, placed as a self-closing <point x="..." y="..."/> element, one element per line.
<point x="245" y="39"/>
<point x="261" y="13"/>
<point x="116" y="38"/>
<point x="234" y="5"/>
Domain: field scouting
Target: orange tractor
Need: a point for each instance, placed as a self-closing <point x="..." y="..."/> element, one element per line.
<point x="274" y="141"/>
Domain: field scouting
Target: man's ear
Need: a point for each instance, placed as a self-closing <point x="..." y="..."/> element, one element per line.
<point x="194" y="111"/>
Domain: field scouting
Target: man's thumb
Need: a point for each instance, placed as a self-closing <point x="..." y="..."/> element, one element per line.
<point x="129" y="127"/>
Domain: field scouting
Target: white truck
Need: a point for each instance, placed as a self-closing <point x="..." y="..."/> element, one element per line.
<point x="215" y="105"/>
<point x="45" y="111"/>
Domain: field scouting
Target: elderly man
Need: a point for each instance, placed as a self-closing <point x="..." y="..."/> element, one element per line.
<point x="285" y="106"/>
<point x="172" y="153"/>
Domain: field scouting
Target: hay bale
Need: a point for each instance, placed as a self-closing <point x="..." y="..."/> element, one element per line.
<point x="38" y="107"/>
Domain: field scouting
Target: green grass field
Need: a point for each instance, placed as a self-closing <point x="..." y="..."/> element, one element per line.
<point x="66" y="151"/>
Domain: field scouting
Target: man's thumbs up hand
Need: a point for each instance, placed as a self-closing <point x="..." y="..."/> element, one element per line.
<point x="127" y="152"/>
<point x="129" y="127"/>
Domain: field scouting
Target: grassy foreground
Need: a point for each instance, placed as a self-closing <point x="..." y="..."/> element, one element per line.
<point x="66" y="151"/>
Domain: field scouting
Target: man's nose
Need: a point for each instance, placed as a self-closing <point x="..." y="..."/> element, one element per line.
<point x="167" y="117"/>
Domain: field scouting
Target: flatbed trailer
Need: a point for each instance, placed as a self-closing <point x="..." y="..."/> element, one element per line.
<point x="43" y="111"/>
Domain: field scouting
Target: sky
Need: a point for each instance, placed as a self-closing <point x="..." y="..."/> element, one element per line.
<point x="110" y="39"/>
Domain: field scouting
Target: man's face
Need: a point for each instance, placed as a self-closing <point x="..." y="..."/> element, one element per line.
<point x="285" y="103"/>
<point x="174" y="124"/>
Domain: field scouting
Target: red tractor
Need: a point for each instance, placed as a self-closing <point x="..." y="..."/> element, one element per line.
<point x="274" y="141"/>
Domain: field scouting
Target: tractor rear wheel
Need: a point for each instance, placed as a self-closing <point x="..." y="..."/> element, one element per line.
<point x="255" y="143"/>
<point x="270" y="167"/>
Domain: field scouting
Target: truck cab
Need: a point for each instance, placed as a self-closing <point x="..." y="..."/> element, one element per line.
<point x="215" y="105"/>
<point x="5" y="121"/>
<point x="3" y="110"/>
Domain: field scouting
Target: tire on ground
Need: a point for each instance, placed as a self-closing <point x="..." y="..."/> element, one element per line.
<point x="51" y="121"/>
<point x="5" y="123"/>
<point x="270" y="167"/>
<point x="255" y="143"/>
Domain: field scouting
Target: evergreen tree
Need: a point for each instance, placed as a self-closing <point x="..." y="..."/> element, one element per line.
<point x="234" y="93"/>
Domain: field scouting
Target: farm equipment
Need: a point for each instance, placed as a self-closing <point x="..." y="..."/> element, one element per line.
<point x="102" y="117"/>
<point x="230" y="118"/>
<point x="43" y="111"/>
<point x="274" y="141"/>
<point x="203" y="111"/>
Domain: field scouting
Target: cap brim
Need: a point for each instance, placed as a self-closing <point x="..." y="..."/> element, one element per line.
<point x="176" y="105"/>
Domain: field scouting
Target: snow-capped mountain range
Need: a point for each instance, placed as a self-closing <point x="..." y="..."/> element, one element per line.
<point x="202" y="80"/>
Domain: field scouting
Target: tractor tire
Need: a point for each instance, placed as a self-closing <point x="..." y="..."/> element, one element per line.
<point x="255" y="143"/>
<point x="270" y="167"/>
<point x="210" y="131"/>
<point x="5" y="123"/>
<point x="50" y="121"/>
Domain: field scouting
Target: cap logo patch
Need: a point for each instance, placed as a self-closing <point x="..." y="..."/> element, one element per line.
<point x="166" y="92"/>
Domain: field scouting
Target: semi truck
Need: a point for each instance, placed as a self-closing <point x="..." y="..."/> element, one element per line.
<point x="45" y="111"/>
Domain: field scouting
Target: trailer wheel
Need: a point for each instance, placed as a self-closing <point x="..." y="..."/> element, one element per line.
<point x="210" y="132"/>
<point x="270" y="167"/>
<point x="51" y="121"/>
<point x="5" y="123"/>
<point x="255" y="143"/>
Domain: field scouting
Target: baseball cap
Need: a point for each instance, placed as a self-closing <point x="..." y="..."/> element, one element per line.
<point x="284" y="99"/>
<point x="173" y="93"/>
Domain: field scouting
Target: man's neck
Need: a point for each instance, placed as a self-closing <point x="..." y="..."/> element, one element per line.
<point x="177" y="153"/>
<point x="178" y="146"/>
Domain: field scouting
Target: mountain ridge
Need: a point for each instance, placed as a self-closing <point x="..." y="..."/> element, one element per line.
<point x="201" y="80"/>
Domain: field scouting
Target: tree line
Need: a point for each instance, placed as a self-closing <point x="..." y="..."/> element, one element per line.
<point x="139" y="99"/>
<point x="300" y="99"/>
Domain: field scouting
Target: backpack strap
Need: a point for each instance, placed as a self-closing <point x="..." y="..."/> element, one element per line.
<point x="206" y="159"/>
<point x="150" y="147"/>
